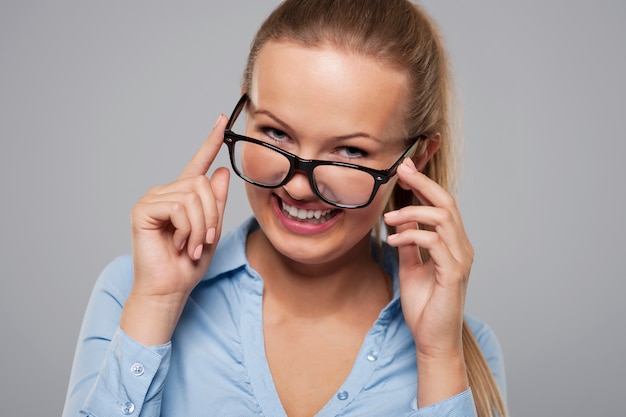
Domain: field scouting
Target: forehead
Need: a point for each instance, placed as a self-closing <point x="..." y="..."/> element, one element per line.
<point x="325" y="83"/>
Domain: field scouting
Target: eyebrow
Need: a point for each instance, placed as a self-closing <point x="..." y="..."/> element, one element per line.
<point x="338" y="138"/>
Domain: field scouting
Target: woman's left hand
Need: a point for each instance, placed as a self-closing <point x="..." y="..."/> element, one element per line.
<point x="432" y="292"/>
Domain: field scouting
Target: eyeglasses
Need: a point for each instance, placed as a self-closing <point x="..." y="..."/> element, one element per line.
<point x="340" y="184"/>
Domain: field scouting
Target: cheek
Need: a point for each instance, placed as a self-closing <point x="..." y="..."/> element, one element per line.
<point x="372" y="213"/>
<point x="257" y="196"/>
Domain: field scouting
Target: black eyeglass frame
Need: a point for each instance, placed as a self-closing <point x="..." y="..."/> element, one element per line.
<point x="308" y="165"/>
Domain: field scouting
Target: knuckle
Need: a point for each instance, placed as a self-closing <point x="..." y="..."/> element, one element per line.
<point x="136" y="210"/>
<point x="445" y="217"/>
<point x="432" y="239"/>
<point x="448" y="201"/>
<point x="192" y="198"/>
<point x="200" y="181"/>
<point x="470" y="252"/>
<point x="135" y="214"/>
<point x="212" y="218"/>
<point x="177" y="208"/>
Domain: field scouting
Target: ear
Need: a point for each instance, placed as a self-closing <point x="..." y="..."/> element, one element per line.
<point x="432" y="145"/>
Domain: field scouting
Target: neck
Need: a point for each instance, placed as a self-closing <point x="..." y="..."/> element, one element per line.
<point x="320" y="290"/>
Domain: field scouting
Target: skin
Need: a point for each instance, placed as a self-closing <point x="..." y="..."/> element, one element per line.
<point x="321" y="285"/>
<point x="323" y="291"/>
<point x="302" y="92"/>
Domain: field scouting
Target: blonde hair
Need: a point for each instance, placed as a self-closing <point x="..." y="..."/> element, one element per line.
<point x="400" y="34"/>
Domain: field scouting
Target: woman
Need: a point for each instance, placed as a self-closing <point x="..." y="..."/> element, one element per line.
<point x="303" y="311"/>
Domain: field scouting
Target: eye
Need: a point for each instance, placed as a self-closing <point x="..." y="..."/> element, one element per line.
<point x="352" y="152"/>
<point x="275" y="134"/>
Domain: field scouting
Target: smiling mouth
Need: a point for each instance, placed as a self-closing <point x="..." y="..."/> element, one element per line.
<point x="308" y="216"/>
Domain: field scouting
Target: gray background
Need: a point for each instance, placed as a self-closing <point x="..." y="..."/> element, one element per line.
<point x="101" y="100"/>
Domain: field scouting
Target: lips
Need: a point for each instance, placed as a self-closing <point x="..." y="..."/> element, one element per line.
<point x="307" y="215"/>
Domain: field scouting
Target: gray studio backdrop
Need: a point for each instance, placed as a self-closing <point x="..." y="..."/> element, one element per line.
<point x="99" y="100"/>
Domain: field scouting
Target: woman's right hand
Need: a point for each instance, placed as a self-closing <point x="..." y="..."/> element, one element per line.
<point x="175" y="230"/>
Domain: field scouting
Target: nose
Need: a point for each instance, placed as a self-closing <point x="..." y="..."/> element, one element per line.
<point x="299" y="187"/>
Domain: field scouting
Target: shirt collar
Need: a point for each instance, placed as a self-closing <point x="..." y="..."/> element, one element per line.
<point x="231" y="253"/>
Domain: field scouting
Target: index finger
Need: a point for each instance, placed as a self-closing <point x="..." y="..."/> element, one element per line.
<point x="204" y="157"/>
<point x="427" y="191"/>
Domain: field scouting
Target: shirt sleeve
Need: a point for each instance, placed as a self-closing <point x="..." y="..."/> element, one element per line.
<point x="112" y="374"/>
<point x="460" y="405"/>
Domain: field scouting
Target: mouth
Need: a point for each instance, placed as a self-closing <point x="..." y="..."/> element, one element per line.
<point x="308" y="216"/>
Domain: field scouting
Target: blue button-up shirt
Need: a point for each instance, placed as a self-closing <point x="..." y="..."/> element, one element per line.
<point x="215" y="364"/>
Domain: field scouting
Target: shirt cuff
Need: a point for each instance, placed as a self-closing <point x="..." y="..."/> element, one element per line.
<point x="460" y="405"/>
<point x="130" y="380"/>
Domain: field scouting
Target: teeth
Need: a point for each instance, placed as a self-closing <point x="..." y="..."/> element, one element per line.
<point x="304" y="214"/>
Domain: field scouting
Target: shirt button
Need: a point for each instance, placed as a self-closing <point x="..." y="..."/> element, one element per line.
<point x="343" y="395"/>
<point x="128" y="408"/>
<point x="372" y="356"/>
<point x="137" y="369"/>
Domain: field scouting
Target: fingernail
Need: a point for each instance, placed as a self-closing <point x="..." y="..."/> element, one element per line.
<point x="181" y="245"/>
<point x="391" y="213"/>
<point x="210" y="235"/>
<point x="217" y="121"/>
<point x="408" y="166"/>
<point x="393" y="237"/>
<point x="198" y="252"/>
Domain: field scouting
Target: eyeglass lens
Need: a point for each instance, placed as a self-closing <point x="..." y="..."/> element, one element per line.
<point x="337" y="184"/>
